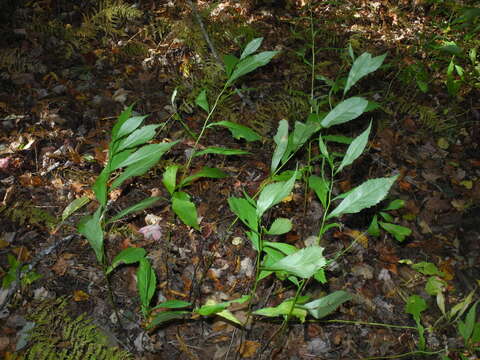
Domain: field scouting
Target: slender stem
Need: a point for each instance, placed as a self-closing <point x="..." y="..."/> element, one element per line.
<point x="354" y="322"/>
<point x="406" y="354"/>
<point x="329" y="202"/>
<point x="312" y="77"/>
<point x="205" y="123"/>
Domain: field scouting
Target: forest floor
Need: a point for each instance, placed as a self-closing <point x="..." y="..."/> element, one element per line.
<point x="67" y="71"/>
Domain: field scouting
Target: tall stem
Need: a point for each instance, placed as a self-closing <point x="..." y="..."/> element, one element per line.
<point x="204" y="127"/>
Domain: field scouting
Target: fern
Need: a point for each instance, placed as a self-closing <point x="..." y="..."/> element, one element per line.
<point x="57" y="336"/>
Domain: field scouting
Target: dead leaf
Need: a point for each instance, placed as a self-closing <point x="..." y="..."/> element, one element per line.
<point x="23" y="254"/>
<point x="80" y="295"/>
<point x="248" y="348"/>
<point x="358" y="236"/>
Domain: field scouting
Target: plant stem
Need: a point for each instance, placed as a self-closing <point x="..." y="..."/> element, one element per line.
<point x="329" y="202"/>
<point x="205" y="123"/>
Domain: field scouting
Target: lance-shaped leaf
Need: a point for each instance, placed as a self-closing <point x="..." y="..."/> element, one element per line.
<point x="74" y="206"/>
<point x="185" y="209"/>
<point x="362" y="66"/>
<point x="221" y="151"/>
<point x="127" y="256"/>
<point x="280" y="226"/>
<point x="321" y="187"/>
<point x="146" y="284"/>
<point x="207" y="172"/>
<point x="130" y="125"/>
<point x="138" y="168"/>
<point x="145" y="203"/>
<point x="368" y="194"/>
<point x="138" y="137"/>
<point x="124" y="116"/>
<point x="345" y="111"/>
<point x="146" y="152"/>
<point x="166" y="316"/>
<point x="245" y="211"/>
<point x="328" y="304"/>
<point x="91" y="227"/>
<point x="238" y="131"/>
<point x="355" y="149"/>
<point x="100" y="186"/>
<point x="230" y="62"/>
<point x="284" y="309"/>
<point x="251" y="47"/>
<point x="169" y="179"/>
<point x="281" y="139"/>
<point x="399" y="232"/>
<point x="202" y="100"/>
<point x="251" y="63"/>
<point x="303" y="264"/>
<point x="272" y="194"/>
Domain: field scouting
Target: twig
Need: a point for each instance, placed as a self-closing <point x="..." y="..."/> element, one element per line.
<point x="20" y="273"/>
<point x="214" y="51"/>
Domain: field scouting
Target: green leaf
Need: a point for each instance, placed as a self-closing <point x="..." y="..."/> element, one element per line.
<point x="166" y="316"/>
<point x="427" y="268"/>
<point x="124" y="116"/>
<point x="272" y="194"/>
<point x="245" y="211"/>
<point x="172" y="304"/>
<point x="304" y="263"/>
<point x="169" y="179"/>
<point x="207" y="172"/>
<point x="321" y="187"/>
<point x="130" y="125"/>
<point x="280" y="226"/>
<point x="398" y="232"/>
<point x="395" y="205"/>
<point x="145" y="203"/>
<point x="238" y="131"/>
<point x="221" y="151"/>
<point x="355" y="149"/>
<point x="415" y="305"/>
<point x="368" y="194"/>
<point x="251" y="63"/>
<point x="251" y="47"/>
<point x="286" y="249"/>
<point x="230" y="62"/>
<point x="120" y="157"/>
<point x="434" y="285"/>
<point x="373" y="229"/>
<point x="202" y="101"/>
<point x="386" y="216"/>
<point x="211" y="307"/>
<point x="340" y="139"/>
<point x="90" y="226"/>
<point x="466" y="328"/>
<point x="345" y="111"/>
<point x="323" y="147"/>
<point x="100" y="186"/>
<point x="284" y="309"/>
<point x="129" y="255"/>
<point x="254" y="238"/>
<point x="281" y="139"/>
<point x="328" y="304"/>
<point x="146" y="284"/>
<point x="138" y="137"/>
<point x="363" y="66"/>
<point x="145" y="153"/>
<point x="74" y="206"/>
<point x="185" y="209"/>
<point x="137" y="169"/>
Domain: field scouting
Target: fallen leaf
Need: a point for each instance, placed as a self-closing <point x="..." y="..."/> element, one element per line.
<point x="23" y="254"/>
<point x="80" y="295"/>
<point x="359" y="236"/>
<point x="248" y="348"/>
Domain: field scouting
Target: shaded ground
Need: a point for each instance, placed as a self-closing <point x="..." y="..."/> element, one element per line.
<point x="67" y="74"/>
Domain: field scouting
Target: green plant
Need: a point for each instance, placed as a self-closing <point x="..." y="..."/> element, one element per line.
<point x="16" y="269"/>
<point x="397" y="231"/>
<point x="129" y="155"/>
